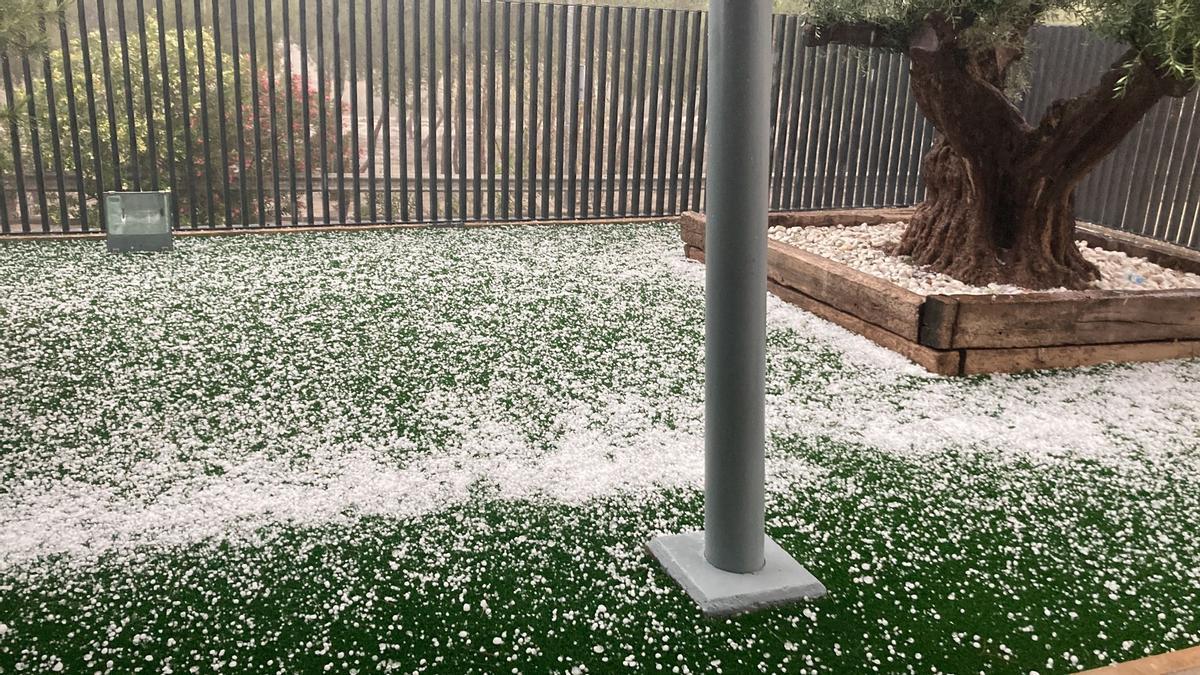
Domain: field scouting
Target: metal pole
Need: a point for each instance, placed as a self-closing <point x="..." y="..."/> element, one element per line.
<point x="739" y="76"/>
<point x="732" y="566"/>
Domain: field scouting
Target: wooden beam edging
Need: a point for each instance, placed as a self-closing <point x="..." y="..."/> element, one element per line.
<point x="1056" y="319"/>
<point x="1182" y="662"/>
<point x="862" y="295"/>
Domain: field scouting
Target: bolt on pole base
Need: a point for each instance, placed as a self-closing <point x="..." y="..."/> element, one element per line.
<point x="781" y="581"/>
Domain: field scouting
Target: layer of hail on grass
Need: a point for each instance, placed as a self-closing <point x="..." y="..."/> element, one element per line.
<point x="239" y="400"/>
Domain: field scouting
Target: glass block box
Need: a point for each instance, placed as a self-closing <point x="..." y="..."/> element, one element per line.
<point x="138" y="221"/>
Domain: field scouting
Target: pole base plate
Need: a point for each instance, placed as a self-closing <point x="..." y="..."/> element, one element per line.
<point x="719" y="593"/>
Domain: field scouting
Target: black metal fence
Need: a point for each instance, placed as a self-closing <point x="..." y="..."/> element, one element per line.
<point x="303" y="112"/>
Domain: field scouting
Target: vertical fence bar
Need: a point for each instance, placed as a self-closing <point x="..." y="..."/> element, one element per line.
<point x="148" y="102"/>
<point x="289" y="111"/>
<point x="693" y="94"/>
<point x="355" y="136"/>
<point x="568" y="87"/>
<point x="372" y="199"/>
<point x="90" y="95"/>
<point x="875" y="128"/>
<point x="239" y="122"/>
<point x="702" y="130"/>
<point x="505" y="115"/>
<point x="39" y="169"/>
<point x="206" y="139"/>
<point x="778" y="58"/>
<point x="598" y="21"/>
<point x="73" y="118"/>
<point x="273" y="113"/>
<point x="491" y="117"/>
<point x="559" y="129"/>
<point x="447" y="113"/>
<point x="218" y="64"/>
<point x="322" y="115"/>
<point x="127" y="87"/>
<point x="519" y="116"/>
<point x="339" y="123"/>
<point x="785" y="46"/>
<point x="1153" y="212"/>
<point x="15" y="141"/>
<point x="402" y="110"/>
<point x="477" y="114"/>
<point x="490" y="163"/>
<point x="109" y="90"/>
<point x="477" y="111"/>
<point x="1187" y="148"/>
<point x="186" y="114"/>
<point x="847" y="138"/>
<point x="639" y="147"/>
<point x="55" y="137"/>
<point x="461" y="125"/>
<point x="418" y="125"/>
<point x="535" y="34"/>
<point x="627" y="110"/>
<point x="680" y="57"/>
<point x="617" y="117"/>
<point x="901" y="195"/>
<point x="386" y="99"/>
<point x="433" y="118"/>
<point x="817" y="128"/>
<point x="582" y="58"/>
<point x="867" y="148"/>
<point x="801" y="74"/>
<point x="892" y="162"/>
<point x="307" y="103"/>
<point x="652" y="93"/>
<point x="832" y="142"/>
<point x="547" y="111"/>
<point x="668" y="88"/>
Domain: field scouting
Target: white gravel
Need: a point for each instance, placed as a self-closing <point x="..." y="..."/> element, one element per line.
<point x="863" y="248"/>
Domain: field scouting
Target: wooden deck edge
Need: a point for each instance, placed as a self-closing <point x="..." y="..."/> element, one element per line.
<point x="1182" y="662"/>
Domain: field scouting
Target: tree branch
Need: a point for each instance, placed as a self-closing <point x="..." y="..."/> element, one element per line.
<point x="1077" y="133"/>
<point x="956" y="95"/>
<point x="855" y="34"/>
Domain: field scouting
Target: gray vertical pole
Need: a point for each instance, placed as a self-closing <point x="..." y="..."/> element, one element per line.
<point x="739" y="80"/>
<point x="732" y="566"/>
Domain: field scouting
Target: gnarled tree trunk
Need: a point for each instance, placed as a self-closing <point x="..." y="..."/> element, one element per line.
<point x="999" y="203"/>
<point x="1002" y="224"/>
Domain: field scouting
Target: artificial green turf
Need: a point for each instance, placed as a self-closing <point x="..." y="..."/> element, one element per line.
<point x="942" y="553"/>
<point x="953" y="587"/>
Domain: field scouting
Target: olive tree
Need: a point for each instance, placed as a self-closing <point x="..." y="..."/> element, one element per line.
<point x="999" y="201"/>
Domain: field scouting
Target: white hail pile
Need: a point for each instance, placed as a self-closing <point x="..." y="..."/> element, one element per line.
<point x="864" y="248"/>
<point x="187" y="454"/>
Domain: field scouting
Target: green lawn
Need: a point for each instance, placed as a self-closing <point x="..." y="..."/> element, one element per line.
<point x="444" y="451"/>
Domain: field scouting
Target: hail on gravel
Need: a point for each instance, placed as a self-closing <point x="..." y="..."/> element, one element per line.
<point x="865" y="248"/>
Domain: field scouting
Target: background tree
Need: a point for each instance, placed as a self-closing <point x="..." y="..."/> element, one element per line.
<point x="999" y="203"/>
<point x="193" y="160"/>
<point x="22" y="31"/>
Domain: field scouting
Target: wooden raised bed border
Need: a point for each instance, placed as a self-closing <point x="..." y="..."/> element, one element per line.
<point x="974" y="334"/>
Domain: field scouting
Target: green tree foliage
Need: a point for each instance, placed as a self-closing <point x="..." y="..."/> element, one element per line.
<point x="200" y="174"/>
<point x="1165" y="33"/>
<point x="21" y="23"/>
